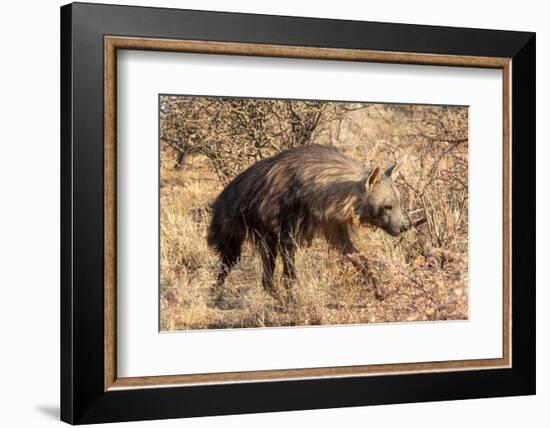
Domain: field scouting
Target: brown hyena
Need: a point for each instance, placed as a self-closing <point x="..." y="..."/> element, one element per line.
<point x="283" y="201"/>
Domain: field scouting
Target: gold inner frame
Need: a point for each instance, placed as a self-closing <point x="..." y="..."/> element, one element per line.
<point x="113" y="43"/>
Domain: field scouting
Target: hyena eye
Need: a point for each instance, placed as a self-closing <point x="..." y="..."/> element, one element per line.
<point x="388" y="207"/>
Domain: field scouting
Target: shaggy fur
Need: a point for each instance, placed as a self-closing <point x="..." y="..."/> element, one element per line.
<point x="284" y="201"/>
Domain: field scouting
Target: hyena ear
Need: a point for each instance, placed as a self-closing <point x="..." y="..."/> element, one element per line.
<point x="393" y="170"/>
<point x="373" y="178"/>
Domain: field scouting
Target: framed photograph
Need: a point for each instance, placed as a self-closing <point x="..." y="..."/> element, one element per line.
<point x="265" y="213"/>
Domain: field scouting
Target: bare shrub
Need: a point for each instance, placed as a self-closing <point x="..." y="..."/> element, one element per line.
<point x="234" y="132"/>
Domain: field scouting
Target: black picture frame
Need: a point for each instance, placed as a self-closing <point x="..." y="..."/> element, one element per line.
<point x="83" y="397"/>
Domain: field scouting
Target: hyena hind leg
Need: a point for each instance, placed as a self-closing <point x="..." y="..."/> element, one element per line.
<point x="226" y="265"/>
<point x="268" y="253"/>
<point x="229" y="256"/>
<point x="288" y="252"/>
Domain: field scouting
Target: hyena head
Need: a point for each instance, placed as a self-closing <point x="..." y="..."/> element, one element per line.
<point x="380" y="203"/>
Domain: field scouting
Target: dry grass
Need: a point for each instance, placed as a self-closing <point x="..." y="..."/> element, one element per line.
<point x="423" y="273"/>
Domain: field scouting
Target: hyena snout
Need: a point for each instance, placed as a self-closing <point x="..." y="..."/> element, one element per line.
<point x="395" y="224"/>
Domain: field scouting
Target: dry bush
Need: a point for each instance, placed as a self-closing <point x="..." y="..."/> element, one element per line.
<point x="424" y="272"/>
<point x="232" y="133"/>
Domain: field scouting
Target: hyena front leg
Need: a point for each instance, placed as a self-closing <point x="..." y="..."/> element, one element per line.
<point x="361" y="263"/>
<point x="339" y="238"/>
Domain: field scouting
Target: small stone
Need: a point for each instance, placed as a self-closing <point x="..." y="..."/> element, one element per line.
<point x="458" y="291"/>
<point x="414" y="317"/>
